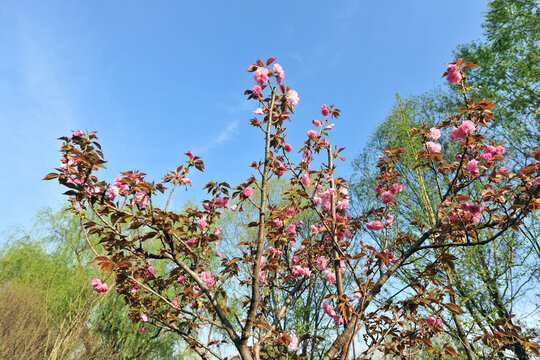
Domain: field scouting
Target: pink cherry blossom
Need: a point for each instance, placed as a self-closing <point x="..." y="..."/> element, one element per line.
<point x="208" y="278"/>
<point x="434" y="134"/>
<point x="322" y="263"/>
<point x="457" y="134"/>
<point x="141" y="198"/>
<point x="468" y="127"/>
<point x="293" y="345"/>
<point x="206" y="205"/>
<point x="330" y="276"/>
<point x="387" y="197"/>
<point x="150" y="272"/>
<point x="257" y="90"/>
<point x="98" y="286"/>
<point x="305" y="180"/>
<point x="144" y="317"/>
<point x="291" y="230"/>
<point x="472" y="166"/>
<point x="499" y="150"/>
<point x="390" y="221"/>
<point x="292" y="97"/>
<point x="77" y="133"/>
<point x="316" y="122"/>
<point x="298" y="270"/>
<point x="312" y="134"/>
<point x="280" y="73"/>
<point x="175" y="302"/>
<point x="181" y="278"/>
<point x="113" y="192"/>
<point x="201" y="223"/>
<point x="234" y="207"/>
<point x="357" y="293"/>
<point x="374" y="225"/>
<point x="143" y="329"/>
<point x="191" y="243"/>
<point x="259" y="111"/>
<point x="248" y="192"/>
<point x="454" y="76"/>
<point x="433" y="147"/>
<point x="324" y="110"/>
<point x="502" y="169"/>
<point x="287" y="147"/>
<point x="260" y="75"/>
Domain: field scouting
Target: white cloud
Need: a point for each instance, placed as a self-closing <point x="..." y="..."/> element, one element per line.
<point x="222" y="137"/>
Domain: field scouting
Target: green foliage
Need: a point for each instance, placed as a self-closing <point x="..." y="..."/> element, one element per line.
<point x="53" y="261"/>
<point x="509" y="68"/>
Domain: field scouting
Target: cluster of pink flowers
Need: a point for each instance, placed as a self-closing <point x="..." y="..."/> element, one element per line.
<point x="322" y="263"/>
<point x="280" y="74"/>
<point x="220" y="202"/>
<point x="388" y="196"/>
<point x="287" y="147"/>
<point x="469" y="213"/>
<point x="490" y="151"/>
<point x="260" y="75"/>
<point x="257" y="90"/>
<point x="141" y="199"/>
<point x="305" y="180"/>
<point x="472" y="167"/>
<point x="208" y="278"/>
<point x="298" y="270"/>
<point x="464" y="130"/>
<point x="150" y="272"/>
<point x="391" y="257"/>
<point x="325" y="111"/>
<point x="292" y="97"/>
<point x="454" y="76"/>
<point x="275" y="252"/>
<point x="293" y="345"/>
<point x="99" y="286"/>
<point x="375" y="225"/>
<point x="433" y="147"/>
<point x="432" y="322"/>
<point x="248" y="192"/>
<point x="202" y="223"/>
<point x="330" y="312"/>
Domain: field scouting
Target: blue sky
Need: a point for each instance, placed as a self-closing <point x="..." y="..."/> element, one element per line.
<point x="158" y="78"/>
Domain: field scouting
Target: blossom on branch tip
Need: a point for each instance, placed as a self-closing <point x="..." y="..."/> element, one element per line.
<point x="98" y="286"/>
<point x="257" y="90"/>
<point x="77" y="133"/>
<point x="374" y="225"/>
<point x="260" y="75"/>
<point x="208" y="278"/>
<point x="316" y="122"/>
<point x="312" y="134"/>
<point x="433" y="147"/>
<point x="434" y="134"/>
<point x="259" y="111"/>
<point x="248" y="192"/>
<point x="292" y="97"/>
<point x="280" y="74"/>
<point x="324" y="110"/>
<point x="293" y="345"/>
<point x="287" y="147"/>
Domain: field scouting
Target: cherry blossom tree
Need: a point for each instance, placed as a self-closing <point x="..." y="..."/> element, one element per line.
<point x="280" y="256"/>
